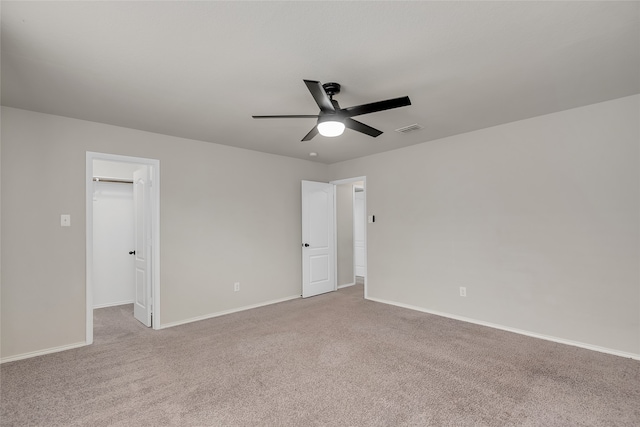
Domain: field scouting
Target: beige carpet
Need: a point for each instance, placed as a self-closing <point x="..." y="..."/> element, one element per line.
<point x="331" y="360"/>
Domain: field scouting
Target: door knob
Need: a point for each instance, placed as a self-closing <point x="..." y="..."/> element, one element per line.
<point x="306" y="245"/>
<point x="132" y="252"/>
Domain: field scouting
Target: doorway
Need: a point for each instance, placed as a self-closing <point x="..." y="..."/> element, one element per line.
<point x="351" y="235"/>
<point x="113" y="234"/>
<point x="129" y="185"/>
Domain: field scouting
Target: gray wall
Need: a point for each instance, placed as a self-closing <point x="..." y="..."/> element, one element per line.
<point x="539" y="220"/>
<point x="227" y="215"/>
<point x="344" y="231"/>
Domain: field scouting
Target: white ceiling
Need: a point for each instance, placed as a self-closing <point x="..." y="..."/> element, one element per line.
<point x="200" y="69"/>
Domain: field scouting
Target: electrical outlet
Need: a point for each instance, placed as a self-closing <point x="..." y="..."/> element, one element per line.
<point x="463" y="291"/>
<point x="236" y="287"/>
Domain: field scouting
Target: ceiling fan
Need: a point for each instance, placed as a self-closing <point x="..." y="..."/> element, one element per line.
<point x="332" y="119"/>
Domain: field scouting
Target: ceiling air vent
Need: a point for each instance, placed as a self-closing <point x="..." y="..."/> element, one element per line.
<point x="408" y="129"/>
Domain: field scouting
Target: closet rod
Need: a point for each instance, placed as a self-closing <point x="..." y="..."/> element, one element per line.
<point x="119" y="181"/>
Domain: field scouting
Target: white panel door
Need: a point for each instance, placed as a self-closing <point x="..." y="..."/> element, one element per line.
<point x="359" y="225"/>
<point x="113" y="238"/>
<point x="318" y="238"/>
<point x="142" y="214"/>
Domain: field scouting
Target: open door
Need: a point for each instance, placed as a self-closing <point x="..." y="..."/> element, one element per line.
<point x="359" y="225"/>
<point x="318" y="238"/>
<point x="141" y="202"/>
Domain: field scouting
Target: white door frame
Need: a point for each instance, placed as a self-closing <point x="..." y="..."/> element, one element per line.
<point x="155" y="233"/>
<point x="364" y="185"/>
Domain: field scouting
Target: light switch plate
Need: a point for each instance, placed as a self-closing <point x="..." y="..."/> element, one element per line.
<point x="371" y="219"/>
<point x="65" y="220"/>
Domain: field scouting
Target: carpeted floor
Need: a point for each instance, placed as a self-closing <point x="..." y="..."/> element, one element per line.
<point x="331" y="360"/>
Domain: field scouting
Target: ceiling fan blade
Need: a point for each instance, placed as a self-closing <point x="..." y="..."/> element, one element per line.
<point x="361" y="127"/>
<point x="321" y="97"/>
<point x="291" y="116"/>
<point x="376" y="106"/>
<point x="313" y="132"/>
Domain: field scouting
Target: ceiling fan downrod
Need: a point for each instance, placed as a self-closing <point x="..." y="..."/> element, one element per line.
<point x="331" y="89"/>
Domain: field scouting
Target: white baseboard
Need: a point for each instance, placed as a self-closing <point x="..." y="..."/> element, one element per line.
<point x="112" y="304"/>
<point x="222" y="313"/>
<point x="347" y="285"/>
<point x="42" y="352"/>
<point x="514" y="330"/>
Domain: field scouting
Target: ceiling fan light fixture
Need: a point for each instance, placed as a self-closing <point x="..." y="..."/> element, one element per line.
<point x="329" y="126"/>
